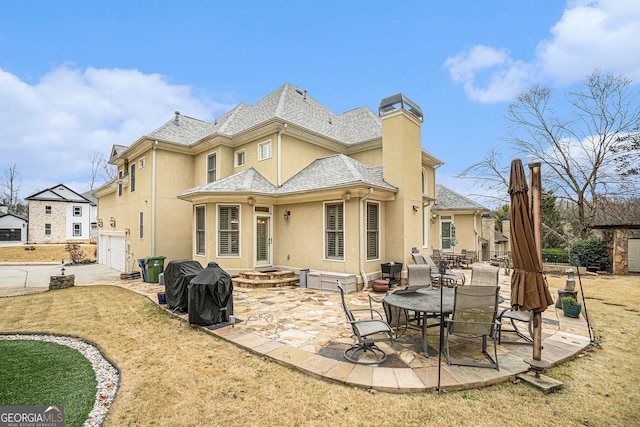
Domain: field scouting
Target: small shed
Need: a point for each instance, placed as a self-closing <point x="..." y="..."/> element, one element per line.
<point x="623" y="246"/>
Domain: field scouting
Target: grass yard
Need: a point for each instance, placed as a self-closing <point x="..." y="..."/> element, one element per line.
<point x="42" y="253"/>
<point x="174" y="375"/>
<point x="38" y="373"/>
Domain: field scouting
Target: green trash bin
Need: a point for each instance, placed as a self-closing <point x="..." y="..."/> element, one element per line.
<point x="155" y="266"/>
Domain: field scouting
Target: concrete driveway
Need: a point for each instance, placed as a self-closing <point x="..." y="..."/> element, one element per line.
<point x="32" y="279"/>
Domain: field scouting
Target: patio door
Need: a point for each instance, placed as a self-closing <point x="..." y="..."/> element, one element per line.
<point x="263" y="243"/>
<point x="446" y="233"/>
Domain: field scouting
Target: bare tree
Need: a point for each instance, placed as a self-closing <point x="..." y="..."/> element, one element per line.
<point x="9" y="188"/>
<point x="582" y="153"/>
<point x="100" y="169"/>
<point x="490" y="175"/>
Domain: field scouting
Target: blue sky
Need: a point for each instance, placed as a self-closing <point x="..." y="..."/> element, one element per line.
<point x="77" y="77"/>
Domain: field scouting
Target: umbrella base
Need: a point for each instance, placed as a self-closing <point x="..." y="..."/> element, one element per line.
<point x="541" y="382"/>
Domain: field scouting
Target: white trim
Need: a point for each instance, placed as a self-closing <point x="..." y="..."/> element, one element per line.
<point x="324" y="230"/>
<point x="255" y="238"/>
<point x="206" y="167"/>
<point x="218" y="205"/>
<point x="236" y="164"/>
<point x="195" y="230"/>
<point x="262" y="144"/>
<point x="378" y="243"/>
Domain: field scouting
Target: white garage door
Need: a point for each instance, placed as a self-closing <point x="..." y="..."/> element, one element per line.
<point x="112" y="250"/>
<point x="634" y="255"/>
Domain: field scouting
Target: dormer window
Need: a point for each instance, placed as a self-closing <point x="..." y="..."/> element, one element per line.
<point x="240" y="158"/>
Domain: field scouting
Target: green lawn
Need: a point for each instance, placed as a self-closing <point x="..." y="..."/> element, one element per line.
<point x="40" y="373"/>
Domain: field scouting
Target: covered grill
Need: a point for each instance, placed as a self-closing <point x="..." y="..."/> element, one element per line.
<point x="177" y="275"/>
<point x="210" y="296"/>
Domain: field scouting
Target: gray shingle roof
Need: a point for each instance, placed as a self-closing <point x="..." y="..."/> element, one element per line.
<point x="335" y="171"/>
<point x="247" y="181"/>
<point x="330" y="172"/>
<point x="447" y="199"/>
<point x="286" y="103"/>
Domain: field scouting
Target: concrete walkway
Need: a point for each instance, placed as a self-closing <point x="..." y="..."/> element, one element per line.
<point x="305" y="329"/>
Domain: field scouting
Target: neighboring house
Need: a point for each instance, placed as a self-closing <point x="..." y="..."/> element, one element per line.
<point x="282" y="183"/>
<point x="13" y="228"/>
<point x="60" y="215"/>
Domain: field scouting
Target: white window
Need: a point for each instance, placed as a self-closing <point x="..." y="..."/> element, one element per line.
<point x="132" y="178"/>
<point x="334" y="231"/>
<point x="200" y="230"/>
<point x="447" y="233"/>
<point x="120" y="176"/>
<point x="47" y="229"/>
<point x="373" y="231"/>
<point x="211" y="167"/>
<point x="47" y="210"/>
<point x="141" y="162"/>
<point x="141" y="226"/>
<point x="77" y="211"/>
<point x="228" y="230"/>
<point x="264" y="150"/>
<point x="240" y="158"/>
<point x="77" y="229"/>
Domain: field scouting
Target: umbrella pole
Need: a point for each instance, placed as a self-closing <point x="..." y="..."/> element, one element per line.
<point x="442" y="267"/>
<point x="536" y="215"/>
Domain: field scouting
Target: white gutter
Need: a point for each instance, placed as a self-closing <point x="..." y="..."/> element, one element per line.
<point x="362" y="233"/>
<point x="279" y="156"/>
<point x="153" y="199"/>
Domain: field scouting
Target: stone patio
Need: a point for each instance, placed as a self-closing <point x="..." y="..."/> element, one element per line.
<point x="305" y="329"/>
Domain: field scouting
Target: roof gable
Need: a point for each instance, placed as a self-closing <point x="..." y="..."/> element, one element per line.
<point x="58" y="193"/>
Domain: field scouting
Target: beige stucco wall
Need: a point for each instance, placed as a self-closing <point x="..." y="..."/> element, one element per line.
<point x="38" y="218"/>
<point x="402" y="160"/>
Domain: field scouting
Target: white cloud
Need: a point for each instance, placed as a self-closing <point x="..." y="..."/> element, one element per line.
<point x="488" y="74"/>
<point x="603" y="34"/>
<point x="50" y="128"/>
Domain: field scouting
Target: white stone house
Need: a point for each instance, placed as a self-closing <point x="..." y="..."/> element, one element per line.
<point x="60" y="215"/>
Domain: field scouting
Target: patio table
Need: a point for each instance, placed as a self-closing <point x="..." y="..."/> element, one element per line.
<point x="453" y="258"/>
<point x="423" y="301"/>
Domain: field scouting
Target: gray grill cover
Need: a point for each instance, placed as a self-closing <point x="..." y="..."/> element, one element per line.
<point x="210" y="296"/>
<point x="177" y="275"/>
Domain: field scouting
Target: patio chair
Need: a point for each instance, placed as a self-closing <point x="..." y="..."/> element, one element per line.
<point x="450" y="278"/>
<point x="516" y="316"/>
<point x="418" y="258"/>
<point x="418" y="276"/>
<point x="437" y="255"/>
<point x="474" y="315"/>
<point x="468" y="258"/>
<point x="484" y="275"/>
<point x="368" y="332"/>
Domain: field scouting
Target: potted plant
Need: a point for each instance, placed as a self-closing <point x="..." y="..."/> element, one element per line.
<point x="571" y="307"/>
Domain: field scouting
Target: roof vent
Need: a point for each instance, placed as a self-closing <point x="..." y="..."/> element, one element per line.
<point x="399" y="101"/>
<point x="177" y="119"/>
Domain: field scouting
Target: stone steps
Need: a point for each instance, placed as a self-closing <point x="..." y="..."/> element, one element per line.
<point x="265" y="279"/>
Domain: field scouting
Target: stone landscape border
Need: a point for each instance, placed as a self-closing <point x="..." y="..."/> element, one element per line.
<point x="107" y="373"/>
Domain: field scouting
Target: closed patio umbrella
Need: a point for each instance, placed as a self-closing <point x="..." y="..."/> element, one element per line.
<point x="529" y="290"/>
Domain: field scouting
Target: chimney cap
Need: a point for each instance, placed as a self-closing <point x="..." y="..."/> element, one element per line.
<point x="399" y="101"/>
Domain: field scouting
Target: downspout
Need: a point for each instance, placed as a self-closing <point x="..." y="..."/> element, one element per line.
<point x="475" y="230"/>
<point x="362" y="233"/>
<point x="279" y="156"/>
<point x="153" y="199"/>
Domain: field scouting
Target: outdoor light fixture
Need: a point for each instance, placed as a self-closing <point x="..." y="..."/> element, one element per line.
<point x="112" y="221"/>
<point x="287" y="214"/>
<point x="127" y="230"/>
<point x="100" y="223"/>
<point x="433" y="218"/>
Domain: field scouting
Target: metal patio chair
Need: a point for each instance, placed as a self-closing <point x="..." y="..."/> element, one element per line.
<point x="367" y="332"/>
<point x="474" y="315"/>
